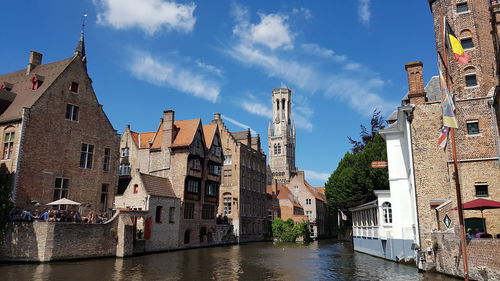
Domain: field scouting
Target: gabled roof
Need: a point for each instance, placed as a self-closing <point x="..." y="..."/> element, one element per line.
<point x="285" y="194"/>
<point x="186" y="130"/>
<point x="255" y="140"/>
<point x="22" y="86"/>
<point x="321" y="190"/>
<point x="209" y="133"/>
<point x="142" y="139"/>
<point x="315" y="192"/>
<point x="157" y="186"/>
<point x="240" y="135"/>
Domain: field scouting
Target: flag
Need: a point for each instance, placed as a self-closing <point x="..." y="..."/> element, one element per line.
<point x="447" y="104"/>
<point x="443" y="136"/>
<point x="456" y="47"/>
<point x="344" y="217"/>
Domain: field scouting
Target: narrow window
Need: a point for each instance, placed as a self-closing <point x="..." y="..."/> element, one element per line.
<point x="136" y="189"/>
<point x="74" y="87"/>
<point x="36" y="82"/>
<point x="8" y="145"/>
<point x="86" y="156"/>
<point x="472" y="127"/>
<point x="188" y="210"/>
<point x="211" y="189"/>
<point x="104" y="197"/>
<point x="227" y="205"/>
<point x="481" y="190"/>
<point x="470" y="80"/>
<point x="124" y="152"/>
<point x="387" y="211"/>
<point x="192" y="186"/>
<point x="228" y="159"/>
<point x="107" y="155"/>
<point x="187" y="235"/>
<point x="308" y="201"/>
<point x="158" y="214"/>
<point x="462" y="7"/>
<point x="467" y="43"/>
<point x="171" y="213"/>
<point x="72" y="112"/>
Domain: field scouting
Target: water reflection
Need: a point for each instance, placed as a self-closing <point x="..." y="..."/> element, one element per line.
<point x="324" y="260"/>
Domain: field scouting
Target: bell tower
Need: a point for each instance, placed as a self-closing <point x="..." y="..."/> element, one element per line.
<point x="281" y="138"/>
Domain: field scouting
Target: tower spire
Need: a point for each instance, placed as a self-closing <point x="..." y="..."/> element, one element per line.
<point x="80" y="47"/>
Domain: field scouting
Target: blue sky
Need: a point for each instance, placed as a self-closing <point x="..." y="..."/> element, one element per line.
<point x="340" y="58"/>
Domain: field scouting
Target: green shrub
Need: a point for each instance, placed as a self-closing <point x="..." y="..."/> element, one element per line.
<point x="288" y="231"/>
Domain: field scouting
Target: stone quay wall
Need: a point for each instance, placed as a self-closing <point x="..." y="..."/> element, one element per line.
<point x="49" y="241"/>
<point x="484" y="263"/>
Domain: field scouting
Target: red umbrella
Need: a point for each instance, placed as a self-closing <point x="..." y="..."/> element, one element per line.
<point x="480" y="204"/>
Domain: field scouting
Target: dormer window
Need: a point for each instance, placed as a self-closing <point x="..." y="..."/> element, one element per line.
<point x="6" y="86"/>
<point x="37" y="81"/>
<point x="74" y="87"/>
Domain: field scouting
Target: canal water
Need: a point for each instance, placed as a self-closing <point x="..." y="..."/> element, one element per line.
<point x="320" y="260"/>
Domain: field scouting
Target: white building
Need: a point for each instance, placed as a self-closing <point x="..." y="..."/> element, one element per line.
<point x="388" y="226"/>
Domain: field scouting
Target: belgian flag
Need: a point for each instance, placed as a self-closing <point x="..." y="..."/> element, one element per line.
<point x="454" y="44"/>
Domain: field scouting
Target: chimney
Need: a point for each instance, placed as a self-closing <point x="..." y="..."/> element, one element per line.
<point x="217" y="116"/>
<point x="416" y="89"/>
<point x="168" y="129"/>
<point x="35" y="60"/>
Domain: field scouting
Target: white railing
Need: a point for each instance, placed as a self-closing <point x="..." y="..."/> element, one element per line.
<point x="365" y="231"/>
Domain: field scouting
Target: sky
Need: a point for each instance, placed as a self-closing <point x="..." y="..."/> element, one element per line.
<point x="341" y="59"/>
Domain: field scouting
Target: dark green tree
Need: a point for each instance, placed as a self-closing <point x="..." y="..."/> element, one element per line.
<point x="6" y="204"/>
<point x="354" y="180"/>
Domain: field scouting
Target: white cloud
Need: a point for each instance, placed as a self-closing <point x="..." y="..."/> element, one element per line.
<point x="323" y="52"/>
<point x="304" y="11"/>
<point x="239" y="124"/>
<point x="210" y="68"/>
<point x="312" y="175"/>
<point x="272" y="31"/>
<point x="359" y="91"/>
<point x="148" y="15"/>
<point x="352" y="66"/>
<point x="364" y="13"/>
<point x="257" y="109"/>
<point x="163" y="73"/>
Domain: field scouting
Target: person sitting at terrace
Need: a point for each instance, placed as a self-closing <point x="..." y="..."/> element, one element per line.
<point x="479" y="233"/>
<point x="45" y="216"/>
<point x="470" y="235"/>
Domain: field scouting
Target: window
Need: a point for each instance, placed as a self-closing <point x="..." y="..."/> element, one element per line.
<point x="187" y="235"/>
<point x="72" y="112"/>
<point x="227" y="205"/>
<point x="104" y="197"/>
<point x="124" y="169"/>
<point x="136" y="189"/>
<point x="188" y="210"/>
<point x="309" y="214"/>
<point x="211" y="189"/>
<point x="208" y="212"/>
<point x="158" y="214"/>
<point x="472" y="127"/>
<point x="124" y="152"/>
<point x="462" y="7"/>
<point x="74" y="87"/>
<point x="61" y="188"/>
<point x="192" y="186"/>
<point x="387" y="212"/>
<point x="8" y="145"/>
<point x="196" y="164"/>
<point x="228" y="159"/>
<point x="86" y="156"/>
<point x="470" y="80"/>
<point x="481" y="190"/>
<point x="275" y="149"/>
<point x="36" y="81"/>
<point x="308" y="201"/>
<point x="214" y="169"/>
<point x="218" y="151"/>
<point x="467" y="43"/>
<point x="171" y="213"/>
<point x="107" y="155"/>
<point x="279" y="148"/>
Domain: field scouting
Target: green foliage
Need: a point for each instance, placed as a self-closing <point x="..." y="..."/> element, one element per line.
<point x="5" y="202"/>
<point x="354" y="180"/>
<point x="288" y="231"/>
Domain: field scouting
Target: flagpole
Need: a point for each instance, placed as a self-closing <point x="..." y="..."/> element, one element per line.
<point x="455" y="164"/>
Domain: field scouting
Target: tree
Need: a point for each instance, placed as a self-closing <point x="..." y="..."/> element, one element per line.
<point x="289" y="231"/>
<point x="6" y="204"/>
<point x="354" y="180"/>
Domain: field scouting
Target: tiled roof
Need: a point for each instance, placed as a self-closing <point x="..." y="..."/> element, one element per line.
<point x="157" y="186"/>
<point x="321" y="190"/>
<point x="22" y="86"/>
<point x="255" y="140"/>
<point x="285" y="194"/>
<point x="240" y="135"/>
<point x="186" y="130"/>
<point x="209" y="133"/>
<point x="142" y="139"/>
<point x="315" y="192"/>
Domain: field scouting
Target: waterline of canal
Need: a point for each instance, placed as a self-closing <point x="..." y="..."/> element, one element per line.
<point x="320" y="260"/>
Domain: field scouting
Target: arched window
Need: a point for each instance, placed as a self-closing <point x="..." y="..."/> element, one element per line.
<point x="278" y="104"/>
<point x="279" y="148"/>
<point x="275" y="149"/>
<point x="387" y="212"/>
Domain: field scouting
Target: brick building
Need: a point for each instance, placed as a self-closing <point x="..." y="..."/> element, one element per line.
<point x="56" y="139"/>
<point x="243" y="188"/>
<point x="190" y="156"/>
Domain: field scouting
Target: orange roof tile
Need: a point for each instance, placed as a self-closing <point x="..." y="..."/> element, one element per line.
<point x="285" y="194"/>
<point x="186" y="132"/>
<point x="142" y="139"/>
<point x="209" y="133"/>
<point x="321" y="190"/>
<point x="318" y="195"/>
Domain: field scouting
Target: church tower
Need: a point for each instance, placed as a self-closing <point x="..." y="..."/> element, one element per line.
<point x="281" y="136"/>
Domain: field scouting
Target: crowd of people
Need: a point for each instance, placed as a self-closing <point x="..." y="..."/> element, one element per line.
<point x="48" y="215"/>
